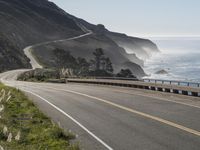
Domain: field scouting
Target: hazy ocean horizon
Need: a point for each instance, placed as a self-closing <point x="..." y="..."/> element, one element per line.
<point x="180" y="57"/>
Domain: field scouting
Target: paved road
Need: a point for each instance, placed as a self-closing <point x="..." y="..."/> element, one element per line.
<point x="33" y="61"/>
<point x="117" y="118"/>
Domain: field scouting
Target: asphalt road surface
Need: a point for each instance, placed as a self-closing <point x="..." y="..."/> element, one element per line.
<point x="106" y="117"/>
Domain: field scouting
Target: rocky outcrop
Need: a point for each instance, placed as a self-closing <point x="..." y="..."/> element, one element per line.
<point x="162" y="71"/>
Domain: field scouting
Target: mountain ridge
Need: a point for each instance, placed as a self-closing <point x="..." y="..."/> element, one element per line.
<point x="27" y="22"/>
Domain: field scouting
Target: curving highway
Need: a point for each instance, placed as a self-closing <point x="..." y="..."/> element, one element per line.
<point x="115" y="118"/>
<point x="33" y="61"/>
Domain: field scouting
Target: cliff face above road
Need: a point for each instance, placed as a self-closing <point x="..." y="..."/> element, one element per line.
<point x="27" y="22"/>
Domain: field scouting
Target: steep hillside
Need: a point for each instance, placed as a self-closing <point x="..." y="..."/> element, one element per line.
<point x="84" y="47"/>
<point x="27" y="22"/>
<point x="142" y="48"/>
<point x="11" y="57"/>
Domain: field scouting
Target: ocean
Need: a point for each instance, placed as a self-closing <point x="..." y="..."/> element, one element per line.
<point x="179" y="57"/>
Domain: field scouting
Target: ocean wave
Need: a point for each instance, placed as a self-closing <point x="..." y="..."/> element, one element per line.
<point x="180" y="65"/>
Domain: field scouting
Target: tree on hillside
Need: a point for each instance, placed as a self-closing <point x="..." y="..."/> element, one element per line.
<point x="108" y="65"/>
<point x="82" y="66"/>
<point x="64" y="62"/>
<point x="99" y="56"/>
<point x="59" y="59"/>
<point x="126" y="73"/>
<point x="101" y="65"/>
<point x="64" y="59"/>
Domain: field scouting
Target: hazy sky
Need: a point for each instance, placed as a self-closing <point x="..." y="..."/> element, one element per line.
<point x="139" y="17"/>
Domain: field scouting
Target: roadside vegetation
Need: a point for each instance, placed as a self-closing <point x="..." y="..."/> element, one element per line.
<point x="41" y="75"/>
<point x="67" y="65"/>
<point x="99" y="66"/>
<point x="24" y="127"/>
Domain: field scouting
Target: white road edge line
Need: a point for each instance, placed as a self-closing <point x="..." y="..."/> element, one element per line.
<point x="74" y="120"/>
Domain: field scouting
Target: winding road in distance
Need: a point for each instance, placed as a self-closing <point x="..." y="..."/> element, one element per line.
<point x="115" y="118"/>
<point x="33" y="62"/>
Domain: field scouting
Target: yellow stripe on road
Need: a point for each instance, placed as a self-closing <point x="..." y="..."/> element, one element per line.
<point x="157" y="98"/>
<point x="148" y="96"/>
<point x="192" y="131"/>
<point x="181" y="127"/>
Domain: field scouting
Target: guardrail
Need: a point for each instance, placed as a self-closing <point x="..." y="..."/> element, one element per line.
<point x="169" y="88"/>
<point x="111" y="78"/>
<point x="172" y="82"/>
<point x="118" y="78"/>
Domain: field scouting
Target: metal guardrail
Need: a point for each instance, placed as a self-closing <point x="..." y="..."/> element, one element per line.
<point x="148" y="85"/>
<point x="156" y="81"/>
<point x="109" y="78"/>
<point x="173" y="82"/>
<point x="118" y="78"/>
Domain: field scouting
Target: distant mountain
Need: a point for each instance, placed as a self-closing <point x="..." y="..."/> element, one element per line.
<point x="143" y="48"/>
<point x="27" y="22"/>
